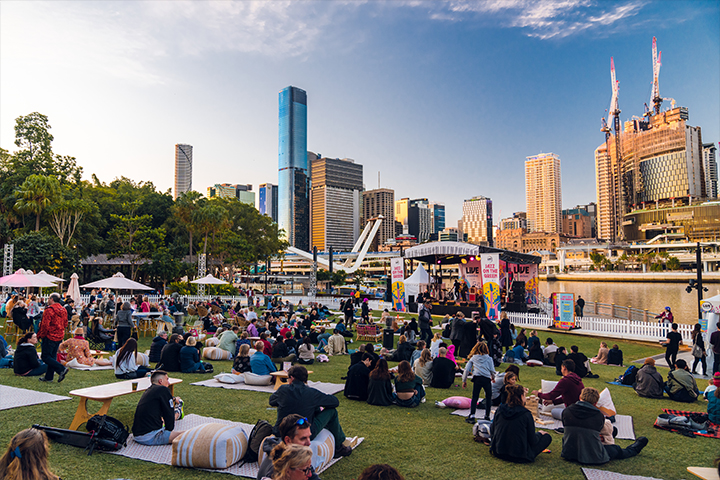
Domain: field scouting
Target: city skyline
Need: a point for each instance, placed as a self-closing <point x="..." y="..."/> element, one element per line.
<point x="444" y="99"/>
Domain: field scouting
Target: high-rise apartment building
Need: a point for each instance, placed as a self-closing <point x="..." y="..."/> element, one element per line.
<point x="268" y="200"/>
<point x="543" y="196"/>
<point x="710" y="169"/>
<point x="183" y="169"/>
<point x="380" y="202"/>
<point x="402" y="207"/>
<point x="517" y="221"/>
<point x="660" y="163"/>
<point x="335" y="199"/>
<point x="420" y="221"/>
<point x="242" y="193"/>
<point x="438" y="217"/>
<point x="293" y="178"/>
<point x="477" y="221"/>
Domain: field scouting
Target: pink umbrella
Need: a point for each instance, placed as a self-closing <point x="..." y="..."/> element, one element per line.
<point x="23" y="279"/>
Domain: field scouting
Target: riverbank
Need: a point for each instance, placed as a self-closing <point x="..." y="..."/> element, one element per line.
<point x="653" y="277"/>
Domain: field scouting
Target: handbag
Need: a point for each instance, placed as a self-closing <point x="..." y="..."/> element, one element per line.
<point x="697" y="352"/>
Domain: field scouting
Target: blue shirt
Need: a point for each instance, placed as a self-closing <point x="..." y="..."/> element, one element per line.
<point x="519" y="352"/>
<point x="260" y="364"/>
<point x="480" y="366"/>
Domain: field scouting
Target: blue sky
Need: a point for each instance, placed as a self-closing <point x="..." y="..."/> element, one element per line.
<point x="445" y="99"/>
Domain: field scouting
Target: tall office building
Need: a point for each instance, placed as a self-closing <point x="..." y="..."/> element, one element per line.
<point x="420" y="221"/>
<point x="183" y="169"/>
<point x="402" y="207"/>
<point x="542" y="193"/>
<point x="293" y="178"/>
<point x="477" y="221"/>
<point x="517" y="221"/>
<point x="660" y="164"/>
<point x="242" y="193"/>
<point x="380" y="202"/>
<point x="710" y="169"/>
<point x="268" y="200"/>
<point x="438" y="218"/>
<point x="335" y="199"/>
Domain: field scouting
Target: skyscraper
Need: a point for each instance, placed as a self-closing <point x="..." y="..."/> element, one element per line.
<point x="268" y="200"/>
<point x="243" y="193"/>
<point x="710" y="169"/>
<point x="477" y="220"/>
<point x="543" y="197"/>
<point x="293" y="179"/>
<point x="335" y="199"/>
<point x="183" y="169"/>
<point x="438" y="217"/>
<point x="380" y="202"/>
<point x="420" y="223"/>
<point x="401" y="213"/>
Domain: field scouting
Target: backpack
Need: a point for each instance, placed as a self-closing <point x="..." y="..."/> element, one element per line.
<point x="108" y="428"/>
<point x="630" y="375"/>
<point x="481" y="431"/>
<point x="261" y="430"/>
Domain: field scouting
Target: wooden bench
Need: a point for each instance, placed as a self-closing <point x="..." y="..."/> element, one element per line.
<point x="105" y="394"/>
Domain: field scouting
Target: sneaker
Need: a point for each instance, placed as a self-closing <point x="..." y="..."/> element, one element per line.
<point x="43" y="379"/>
<point x="487" y="417"/>
<point x="470" y="419"/>
<point x="180" y="410"/>
<point x="343" y="451"/>
<point x="423" y="400"/>
<point x="61" y="377"/>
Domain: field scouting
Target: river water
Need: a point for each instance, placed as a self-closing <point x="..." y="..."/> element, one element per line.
<point x="652" y="296"/>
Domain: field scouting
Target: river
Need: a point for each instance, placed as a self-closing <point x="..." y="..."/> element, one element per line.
<point x="652" y="296"/>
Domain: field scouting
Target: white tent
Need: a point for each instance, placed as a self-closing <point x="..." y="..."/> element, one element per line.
<point x="23" y="279"/>
<point x="711" y="309"/>
<point x="48" y="277"/>
<point x="413" y="282"/>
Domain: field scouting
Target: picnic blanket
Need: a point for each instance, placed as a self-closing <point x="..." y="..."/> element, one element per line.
<point x="329" y="388"/>
<point x="713" y="430"/>
<point x="594" y="474"/>
<point x="163" y="454"/>
<point x="624" y="423"/>
<point x="619" y="384"/>
<point x="12" y="397"/>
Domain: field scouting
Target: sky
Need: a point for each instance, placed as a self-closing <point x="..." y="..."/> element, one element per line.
<point x="441" y="100"/>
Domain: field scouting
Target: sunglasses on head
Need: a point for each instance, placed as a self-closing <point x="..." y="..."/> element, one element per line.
<point x="302" y="421"/>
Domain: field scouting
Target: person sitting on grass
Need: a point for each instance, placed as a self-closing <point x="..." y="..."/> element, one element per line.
<point x="357" y="356"/>
<point x="242" y="340"/>
<point x="409" y="387"/>
<point x="417" y="352"/>
<point x="358" y="378"/>
<point x="648" y="382"/>
<point x="713" y="408"/>
<point x="156" y="413"/>
<point x="26" y="362"/>
<point x="336" y="344"/>
<point x="681" y="385"/>
<point x="125" y="362"/>
<point x="404" y="350"/>
<point x="482" y="368"/>
<point x="293" y="430"/>
<point x="160" y="340"/>
<point x="423" y="367"/>
<point x="513" y="434"/>
<point x="582" y="364"/>
<point x="228" y="338"/>
<point x="323" y="338"/>
<point x="566" y="392"/>
<point x="306" y="352"/>
<point x="583" y="423"/>
<point x="190" y="358"/>
<point x="241" y="363"/>
<point x="498" y="390"/>
<point x="380" y="472"/>
<point x="260" y="363"/>
<point x="549" y="352"/>
<point x="280" y="353"/>
<point x="602" y="356"/>
<point x="170" y="354"/>
<point x="615" y="356"/>
<point x="27" y="457"/>
<point x="370" y="350"/>
<point x="297" y="397"/>
<point x="517" y="354"/>
<point x="560" y="357"/>
<point x="290" y="462"/>
<point x="435" y="344"/>
<point x="77" y="348"/>
<point x="443" y="371"/>
<point x="380" y="391"/>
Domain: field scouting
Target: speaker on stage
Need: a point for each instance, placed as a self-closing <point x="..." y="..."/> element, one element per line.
<point x="411" y="298"/>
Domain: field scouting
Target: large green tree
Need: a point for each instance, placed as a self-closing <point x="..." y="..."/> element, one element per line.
<point x="38" y="251"/>
<point x="35" y="194"/>
<point x="184" y="209"/>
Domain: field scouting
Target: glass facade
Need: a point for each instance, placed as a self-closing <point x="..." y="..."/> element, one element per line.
<point x="293" y="181"/>
<point x="268" y="200"/>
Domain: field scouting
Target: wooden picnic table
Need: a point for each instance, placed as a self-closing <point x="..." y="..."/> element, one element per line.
<point x="281" y="378"/>
<point x="145" y="321"/>
<point x="105" y="394"/>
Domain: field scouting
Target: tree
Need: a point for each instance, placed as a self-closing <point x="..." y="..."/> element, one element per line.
<point x="209" y="219"/>
<point x="184" y="209"/>
<point x="65" y="217"/>
<point x="133" y="236"/>
<point x="35" y="194"/>
<point x="163" y="267"/>
<point x="673" y="263"/>
<point x="38" y="251"/>
<point x="32" y="135"/>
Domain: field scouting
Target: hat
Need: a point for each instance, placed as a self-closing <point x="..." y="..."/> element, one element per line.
<point x="649" y="361"/>
<point x="667" y="308"/>
<point x="79" y="331"/>
<point x="716" y="379"/>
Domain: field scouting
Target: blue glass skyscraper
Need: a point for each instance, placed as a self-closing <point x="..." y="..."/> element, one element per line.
<point x="293" y="179"/>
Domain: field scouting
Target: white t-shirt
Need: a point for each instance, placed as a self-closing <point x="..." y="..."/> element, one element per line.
<point x="251" y="316"/>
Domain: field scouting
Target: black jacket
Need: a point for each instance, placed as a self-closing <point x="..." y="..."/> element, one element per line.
<point x="280" y="350"/>
<point x="559" y="358"/>
<point x="380" y="392"/>
<point x="443" y="370"/>
<point x="298" y="398"/>
<point x="615" y="357"/>
<point x="404" y="351"/>
<point x="170" y="357"/>
<point x="25" y="359"/>
<point x="356" y="385"/>
<point x="579" y="359"/>
<point x="513" y="434"/>
<point x="156" y="348"/>
<point x="581" y="440"/>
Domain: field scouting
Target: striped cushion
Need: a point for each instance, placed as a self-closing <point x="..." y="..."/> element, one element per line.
<point x="323" y="448"/>
<point x="212" y="342"/>
<point x="254" y="379"/>
<point x="261" y="451"/>
<point x="212" y="445"/>
<point x="142" y="360"/>
<point x="214" y="353"/>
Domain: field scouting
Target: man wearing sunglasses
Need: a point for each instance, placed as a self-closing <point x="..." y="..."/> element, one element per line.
<point x="297" y="397"/>
<point x="293" y="430"/>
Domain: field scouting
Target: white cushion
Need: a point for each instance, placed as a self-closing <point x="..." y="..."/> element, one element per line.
<point x="605" y="404"/>
<point x="142" y="360"/>
<point x="323" y="448"/>
<point x="547" y="386"/>
<point x="534" y="363"/>
<point x="230" y="378"/>
<point x="252" y="379"/>
<point x="214" y="353"/>
<point x="212" y="445"/>
<point x="212" y="342"/>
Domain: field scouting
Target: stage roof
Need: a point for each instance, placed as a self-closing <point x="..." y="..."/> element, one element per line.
<point x="449" y="253"/>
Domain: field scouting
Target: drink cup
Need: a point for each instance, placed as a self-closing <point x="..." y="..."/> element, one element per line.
<point x="134" y="386"/>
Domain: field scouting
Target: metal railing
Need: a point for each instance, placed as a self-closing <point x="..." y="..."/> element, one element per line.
<point x="618" y="311"/>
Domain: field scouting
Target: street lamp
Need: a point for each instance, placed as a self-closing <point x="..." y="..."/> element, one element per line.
<point x="697" y="284"/>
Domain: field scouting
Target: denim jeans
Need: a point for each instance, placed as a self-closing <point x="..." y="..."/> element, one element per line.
<point x="49" y="349"/>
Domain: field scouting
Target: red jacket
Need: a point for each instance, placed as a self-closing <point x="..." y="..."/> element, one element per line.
<point x="54" y="322"/>
<point x="567" y="390"/>
<point x="268" y="348"/>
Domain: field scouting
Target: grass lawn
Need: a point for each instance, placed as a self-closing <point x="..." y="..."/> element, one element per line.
<point x="422" y="443"/>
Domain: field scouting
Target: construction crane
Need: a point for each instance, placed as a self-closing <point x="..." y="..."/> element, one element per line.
<point x="607" y="126"/>
<point x="656" y="98"/>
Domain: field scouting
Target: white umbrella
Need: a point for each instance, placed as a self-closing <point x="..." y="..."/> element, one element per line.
<point x="209" y="280"/>
<point x="48" y="277"/>
<point x="23" y="279"/>
<point x="117" y="282"/>
<point x="74" y="288"/>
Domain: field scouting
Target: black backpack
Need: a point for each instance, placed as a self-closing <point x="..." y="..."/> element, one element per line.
<point x="108" y="428"/>
<point x="260" y="431"/>
<point x="630" y="375"/>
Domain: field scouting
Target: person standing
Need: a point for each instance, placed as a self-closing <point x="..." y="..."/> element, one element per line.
<point x="698" y="350"/>
<point x="52" y="332"/>
<point x="456" y="333"/>
<point x="483" y="375"/>
<point x="424" y="319"/>
<point x="349" y="311"/>
<point x="124" y="323"/>
<point x="674" y="340"/>
<point x="715" y="342"/>
<point x="581" y="306"/>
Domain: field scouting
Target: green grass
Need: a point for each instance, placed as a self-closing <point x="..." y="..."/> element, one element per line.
<point x="423" y="443"/>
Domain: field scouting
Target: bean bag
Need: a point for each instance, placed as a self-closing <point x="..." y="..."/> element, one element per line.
<point x="261" y="450"/>
<point x="457" y="402"/>
<point x="212" y="342"/>
<point x="605" y="404"/>
<point x="258" y="380"/>
<point x="229" y="378"/>
<point x="212" y="445"/>
<point x="214" y="353"/>
<point x="546" y="387"/>
<point x="534" y="363"/>
<point x="323" y="448"/>
<point x="142" y="360"/>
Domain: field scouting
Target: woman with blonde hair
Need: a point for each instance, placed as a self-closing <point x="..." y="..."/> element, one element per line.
<point x="291" y="462"/>
<point x="423" y="367"/>
<point x="435" y="344"/>
<point x="602" y="356"/>
<point x="27" y="457"/>
<point x="483" y="374"/>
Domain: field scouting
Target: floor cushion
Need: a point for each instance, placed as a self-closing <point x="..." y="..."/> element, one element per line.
<point x="212" y="445"/>
<point x="457" y="402"/>
<point x="214" y="353"/>
<point x="605" y="404"/>
<point x="142" y="360"/>
<point x="229" y="378"/>
<point x="323" y="448"/>
<point x="534" y="363"/>
<point x="252" y="379"/>
<point x="212" y="342"/>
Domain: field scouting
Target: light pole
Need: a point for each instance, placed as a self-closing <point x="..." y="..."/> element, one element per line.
<point x="697" y="283"/>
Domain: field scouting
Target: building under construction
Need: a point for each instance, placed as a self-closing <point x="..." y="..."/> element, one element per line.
<point x="654" y="162"/>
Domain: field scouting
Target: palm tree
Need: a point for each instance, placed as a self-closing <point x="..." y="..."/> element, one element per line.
<point x="209" y="219"/>
<point x="185" y="207"/>
<point x="35" y="194"/>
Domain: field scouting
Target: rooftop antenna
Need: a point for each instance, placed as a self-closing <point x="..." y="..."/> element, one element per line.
<point x="656" y="98"/>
